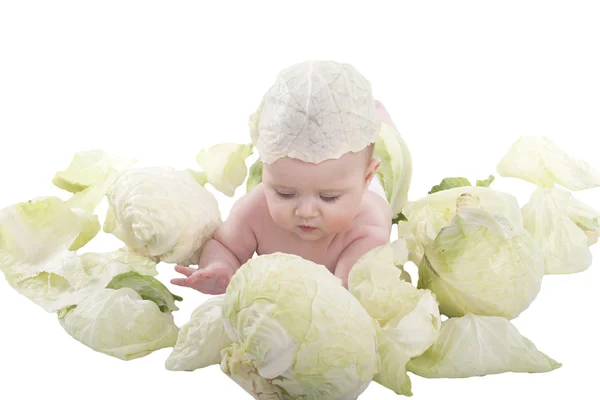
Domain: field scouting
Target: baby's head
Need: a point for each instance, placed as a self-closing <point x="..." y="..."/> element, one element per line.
<point x="315" y="131"/>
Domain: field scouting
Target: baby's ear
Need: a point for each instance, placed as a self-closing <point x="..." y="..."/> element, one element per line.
<point x="371" y="170"/>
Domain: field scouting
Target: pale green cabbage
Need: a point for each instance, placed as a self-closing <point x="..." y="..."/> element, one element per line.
<point x="201" y="339"/>
<point x="36" y="242"/>
<point x="482" y="263"/>
<point x="395" y="170"/>
<point x="563" y="228"/>
<point x="119" y="323"/>
<point x="225" y="165"/>
<point x="428" y="215"/>
<point x="409" y="319"/>
<point x="475" y="345"/>
<point x="537" y="160"/>
<point x="296" y="332"/>
<point x="254" y="175"/>
<point x="162" y="213"/>
<point x="88" y="168"/>
<point x="315" y="110"/>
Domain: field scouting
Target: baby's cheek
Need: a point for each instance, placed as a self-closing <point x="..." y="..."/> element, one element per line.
<point x="340" y="219"/>
<point x="280" y="215"/>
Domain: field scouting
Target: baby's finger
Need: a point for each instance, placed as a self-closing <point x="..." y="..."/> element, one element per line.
<point x="179" y="281"/>
<point x="187" y="271"/>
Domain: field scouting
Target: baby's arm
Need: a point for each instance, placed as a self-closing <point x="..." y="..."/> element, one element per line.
<point x="233" y="244"/>
<point x="365" y="239"/>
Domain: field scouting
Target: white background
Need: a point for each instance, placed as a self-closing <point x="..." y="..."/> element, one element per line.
<point x="158" y="81"/>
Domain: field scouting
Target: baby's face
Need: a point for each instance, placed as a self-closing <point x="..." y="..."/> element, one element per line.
<point x="325" y="196"/>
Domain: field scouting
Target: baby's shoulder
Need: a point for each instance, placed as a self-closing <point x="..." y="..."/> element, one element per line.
<point x="251" y="205"/>
<point x="374" y="211"/>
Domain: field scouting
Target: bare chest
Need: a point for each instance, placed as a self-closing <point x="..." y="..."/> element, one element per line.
<point x="277" y="239"/>
<point x="271" y="238"/>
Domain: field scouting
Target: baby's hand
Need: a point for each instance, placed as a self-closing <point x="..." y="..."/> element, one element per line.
<point x="212" y="279"/>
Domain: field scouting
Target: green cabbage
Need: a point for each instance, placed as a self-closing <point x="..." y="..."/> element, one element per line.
<point x="537" y="160"/>
<point x="88" y="168"/>
<point x="119" y="323"/>
<point x="201" y="339"/>
<point x="162" y="213"/>
<point x="36" y="242"/>
<point x="475" y="345"/>
<point x="563" y="228"/>
<point x="408" y="319"/>
<point x="225" y="165"/>
<point x="482" y="263"/>
<point x="428" y="215"/>
<point x="296" y="332"/>
<point x="395" y="170"/>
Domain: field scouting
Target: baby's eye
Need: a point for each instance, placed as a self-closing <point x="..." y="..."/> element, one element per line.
<point x="329" y="199"/>
<point x="285" y="195"/>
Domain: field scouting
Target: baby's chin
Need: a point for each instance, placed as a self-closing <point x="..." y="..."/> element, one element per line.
<point x="313" y="235"/>
<point x="310" y="236"/>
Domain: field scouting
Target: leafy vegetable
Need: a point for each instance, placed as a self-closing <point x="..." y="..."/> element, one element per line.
<point x="449" y="183"/>
<point x="36" y="239"/>
<point x="119" y="323"/>
<point x="148" y="288"/>
<point x="476" y="345"/>
<point x="409" y="319"/>
<point x="162" y="213"/>
<point x="88" y="168"/>
<point x="563" y="228"/>
<point x="255" y="175"/>
<point x="395" y="170"/>
<point x="537" y="160"/>
<point x="427" y="216"/>
<point x="296" y="332"/>
<point x="335" y="116"/>
<point x="486" y="182"/>
<point x="201" y="339"/>
<point x="225" y="165"/>
<point x="482" y="264"/>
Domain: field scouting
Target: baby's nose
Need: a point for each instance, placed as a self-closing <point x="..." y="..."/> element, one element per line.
<point x="307" y="209"/>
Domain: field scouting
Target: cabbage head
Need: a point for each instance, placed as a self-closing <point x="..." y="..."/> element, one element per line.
<point x="427" y="216"/>
<point x="482" y="264"/>
<point x="162" y="213"/>
<point x="296" y="332"/>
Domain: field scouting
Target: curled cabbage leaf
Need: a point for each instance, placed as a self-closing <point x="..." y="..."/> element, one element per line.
<point x="225" y="165"/>
<point x="37" y="243"/>
<point x="119" y="323"/>
<point x="395" y="170"/>
<point x="475" y="345"/>
<point x="201" y="339"/>
<point x="88" y="168"/>
<point x="409" y="319"/>
<point x="563" y="227"/>
<point x="537" y="160"/>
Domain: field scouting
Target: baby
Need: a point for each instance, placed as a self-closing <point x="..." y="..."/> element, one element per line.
<point x="315" y="134"/>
